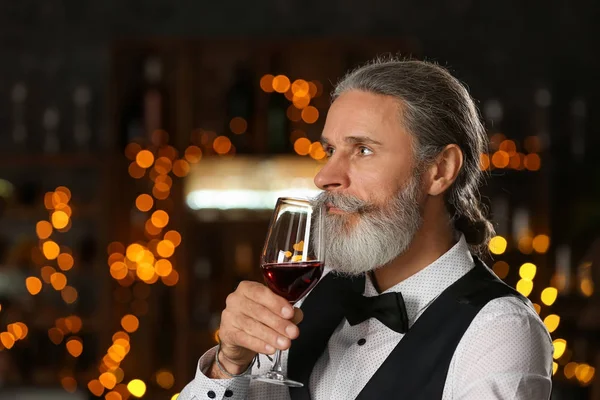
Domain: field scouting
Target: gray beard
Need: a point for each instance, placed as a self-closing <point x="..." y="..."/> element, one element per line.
<point x="376" y="236"/>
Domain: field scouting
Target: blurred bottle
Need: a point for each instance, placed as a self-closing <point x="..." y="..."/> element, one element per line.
<point x="241" y="109"/>
<point x="19" y="131"/>
<point x="82" y="133"/>
<point x="145" y="111"/>
<point x="278" y="125"/>
<point x="50" y="122"/>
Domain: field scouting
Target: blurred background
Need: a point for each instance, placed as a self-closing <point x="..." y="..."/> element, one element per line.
<point x="143" y="144"/>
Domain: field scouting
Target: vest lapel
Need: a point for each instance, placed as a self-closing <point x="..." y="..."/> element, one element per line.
<point x="322" y="314"/>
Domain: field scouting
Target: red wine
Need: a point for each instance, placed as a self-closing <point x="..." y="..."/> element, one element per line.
<point x="292" y="280"/>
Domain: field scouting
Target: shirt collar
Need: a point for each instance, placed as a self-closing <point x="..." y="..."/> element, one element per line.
<point x="422" y="288"/>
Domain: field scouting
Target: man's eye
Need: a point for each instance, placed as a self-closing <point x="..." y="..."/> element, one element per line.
<point x="365" y="151"/>
<point x="329" y="151"/>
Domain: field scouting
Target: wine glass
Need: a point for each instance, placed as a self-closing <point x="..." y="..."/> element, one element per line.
<point x="292" y="261"/>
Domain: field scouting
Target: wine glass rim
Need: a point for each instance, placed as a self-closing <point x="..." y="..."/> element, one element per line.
<point x="300" y="199"/>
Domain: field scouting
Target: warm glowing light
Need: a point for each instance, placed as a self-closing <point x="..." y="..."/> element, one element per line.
<point x="59" y="198"/>
<point x="160" y="219"/>
<point x="163" y="268"/>
<point x="135" y="251"/>
<point x="516" y="161"/>
<point x="300" y="102"/>
<point x="554" y="367"/>
<point x="60" y="219"/>
<point x="193" y="154"/>
<point x="532" y="162"/>
<point x="69" y="384"/>
<point x="532" y="144"/>
<point x="118" y="270"/>
<point x="165" y="248"/>
<point x="302" y="146"/>
<point x="135" y="171"/>
<point x="48" y="200"/>
<point x="548" y="295"/>
<point x="172" y="279"/>
<point x="541" y="243"/>
<point x="484" y="161"/>
<point x="537" y="308"/>
<point x="47" y="272"/>
<point x="316" y="151"/>
<point x="50" y="250"/>
<point x="310" y="115"/>
<point x="144" y="202"/>
<point x="165" y="379"/>
<point x="7" y="339"/>
<point x="222" y="145"/>
<point x="24" y="330"/>
<point x="181" y="168"/>
<point x="15" y="330"/>
<point x="238" y="125"/>
<point x="69" y="294"/>
<point x="108" y="380"/>
<point x="297" y="134"/>
<point x="509" y="147"/>
<point x="113" y="396"/>
<point x="266" y="83"/>
<point x="33" y="284"/>
<point x="497" y="245"/>
<point x="163" y="183"/>
<point x="174" y="237"/>
<point x="75" y="347"/>
<point x="144" y="159"/>
<point x="587" y="287"/>
<point x="95" y="387"/>
<point x="569" y="369"/>
<point x="525" y="244"/>
<point x="145" y="271"/>
<point x="160" y="195"/>
<point x="163" y="165"/>
<point x="65" y="261"/>
<point x="500" y="159"/>
<point x="151" y="229"/>
<point x="120" y="335"/>
<point x="131" y="150"/>
<point x="300" y="87"/>
<point x="56" y="335"/>
<point x="74" y="323"/>
<point x="43" y="229"/>
<point x="527" y="271"/>
<point x="560" y="345"/>
<point x="584" y="373"/>
<point x="130" y="323"/>
<point x="501" y="269"/>
<point x="281" y="83"/>
<point x="551" y="322"/>
<point x="58" y="280"/>
<point x="524" y="287"/>
<point x="175" y="396"/>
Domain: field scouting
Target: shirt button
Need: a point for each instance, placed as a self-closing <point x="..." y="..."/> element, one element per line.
<point x="228" y="393"/>
<point x="211" y="394"/>
<point x="361" y="342"/>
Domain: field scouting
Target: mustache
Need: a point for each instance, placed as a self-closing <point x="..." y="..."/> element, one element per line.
<point x="344" y="202"/>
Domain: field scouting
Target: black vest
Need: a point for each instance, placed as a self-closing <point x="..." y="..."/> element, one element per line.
<point x="418" y="365"/>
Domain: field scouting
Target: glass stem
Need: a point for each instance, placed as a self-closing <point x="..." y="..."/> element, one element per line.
<point x="277" y="364"/>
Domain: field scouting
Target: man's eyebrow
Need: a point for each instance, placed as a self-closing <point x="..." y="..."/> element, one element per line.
<point x="353" y="140"/>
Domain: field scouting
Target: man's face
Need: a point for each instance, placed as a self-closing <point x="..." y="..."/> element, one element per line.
<point x="372" y="192"/>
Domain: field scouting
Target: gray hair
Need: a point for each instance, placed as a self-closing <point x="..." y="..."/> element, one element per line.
<point x="438" y="110"/>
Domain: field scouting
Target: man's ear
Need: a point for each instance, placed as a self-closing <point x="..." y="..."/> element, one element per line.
<point x="444" y="170"/>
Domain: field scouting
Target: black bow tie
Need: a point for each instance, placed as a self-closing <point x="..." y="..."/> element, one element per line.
<point x="388" y="308"/>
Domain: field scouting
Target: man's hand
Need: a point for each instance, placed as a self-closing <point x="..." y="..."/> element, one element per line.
<point x="255" y="320"/>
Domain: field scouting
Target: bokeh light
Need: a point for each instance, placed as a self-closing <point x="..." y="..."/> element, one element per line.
<point x="193" y="154"/>
<point x="302" y="146"/>
<point x="266" y="83"/>
<point x="549" y="295"/>
<point x="501" y="269"/>
<point x="43" y="229"/>
<point x="497" y="245"/>
<point x="181" y="168"/>
<point x="222" y="145"/>
<point x="310" y="115"/>
<point x="130" y="323"/>
<point x="33" y="284"/>
<point x="144" y="159"/>
<point x="75" y="347"/>
<point x="238" y="125"/>
<point x="65" y="261"/>
<point x="524" y="287"/>
<point x="552" y="321"/>
<point x="165" y="248"/>
<point x="144" y="202"/>
<point x="560" y="345"/>
<point x="541" y="243"/>
<point x="50" y="250"/>
<point x="527" y="271"/>
<point x="281" y="83"/>
<point x="165" y="379"/>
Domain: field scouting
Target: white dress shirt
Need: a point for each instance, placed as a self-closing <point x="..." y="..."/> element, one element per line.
<point x="506" y="353"/>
